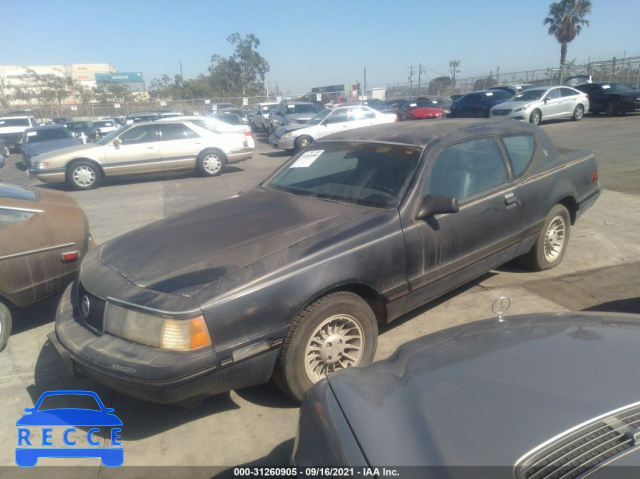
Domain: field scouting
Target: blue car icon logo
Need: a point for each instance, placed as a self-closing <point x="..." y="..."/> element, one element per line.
<point x="39" y="424"/>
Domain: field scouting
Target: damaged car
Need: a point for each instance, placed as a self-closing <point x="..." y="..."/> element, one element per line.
<point x="290" y="279"/>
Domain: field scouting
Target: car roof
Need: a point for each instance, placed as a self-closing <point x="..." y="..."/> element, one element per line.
<point x="419" y="134"/>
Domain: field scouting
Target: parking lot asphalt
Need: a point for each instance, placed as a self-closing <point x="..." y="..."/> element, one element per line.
<point x="256" y="426"/>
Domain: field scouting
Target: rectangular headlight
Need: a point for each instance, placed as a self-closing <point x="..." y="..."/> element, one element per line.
<point x="156" y="331"/>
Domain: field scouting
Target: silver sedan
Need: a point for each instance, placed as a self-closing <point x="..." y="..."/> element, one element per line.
<point x="546" y="103"/>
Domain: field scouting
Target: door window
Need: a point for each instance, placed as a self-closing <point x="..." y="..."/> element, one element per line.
<point x="338" y="116"/>
<point x="139" y="134"/>
<point x="553" y="94"/>
<point x="466" y="169"/>
<point x="567" y="92"/>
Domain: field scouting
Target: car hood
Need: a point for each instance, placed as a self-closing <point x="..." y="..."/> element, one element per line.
<point x="36" y="149"/>
<point x="515" y="104"/>
<point x="189" y="251"/>
<point x="488" y="393"/>
<point x="71" y="150"/>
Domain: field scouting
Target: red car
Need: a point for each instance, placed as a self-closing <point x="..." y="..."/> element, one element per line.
<point x="419" y="110"/>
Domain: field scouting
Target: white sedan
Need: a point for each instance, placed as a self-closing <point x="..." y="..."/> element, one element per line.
<point x="326" y="122"/>
<point x="217" y="126"/>
<point x="545" y="103"/>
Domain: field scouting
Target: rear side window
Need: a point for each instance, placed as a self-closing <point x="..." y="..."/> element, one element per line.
<point x="520" y="148"/>
<point x="467" y="169"/>
<point x="176" y="131"/>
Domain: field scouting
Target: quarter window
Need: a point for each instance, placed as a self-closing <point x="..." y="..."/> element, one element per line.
<point x="520" y="149"/>
<point x="9" y="216"/>
<point x="466" y="169"/>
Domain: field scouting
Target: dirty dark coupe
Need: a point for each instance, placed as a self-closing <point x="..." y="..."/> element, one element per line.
<point x="290" y="279"/>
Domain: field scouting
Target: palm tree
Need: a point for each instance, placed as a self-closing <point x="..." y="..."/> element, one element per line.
<point x="565" y="21"/>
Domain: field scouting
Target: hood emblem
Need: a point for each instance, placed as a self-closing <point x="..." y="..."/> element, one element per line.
<point x="86" y="306"/>
<point x="501" y="306"/>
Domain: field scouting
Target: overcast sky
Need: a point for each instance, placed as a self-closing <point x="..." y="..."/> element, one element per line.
<point x="309" y="44"/>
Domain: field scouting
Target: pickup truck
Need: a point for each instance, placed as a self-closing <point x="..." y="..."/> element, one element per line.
<point x="13" y="127"/>
<point x="291" y="278"/>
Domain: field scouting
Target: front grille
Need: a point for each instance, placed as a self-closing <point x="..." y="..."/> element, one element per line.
<point x="501" y="112"/>
<point x="577" y="451"/>
<point x="95" y="318"/>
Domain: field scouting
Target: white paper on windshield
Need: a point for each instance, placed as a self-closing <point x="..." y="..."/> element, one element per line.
<point x="604" y="87"/>
<point x="489" y="94"/>
<point x="32" y="133"/>
<point x="307" y="159"/>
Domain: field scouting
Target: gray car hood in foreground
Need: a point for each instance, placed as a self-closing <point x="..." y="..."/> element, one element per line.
<point x="184" y="253"/>
<point x="486" y="394"/>
<point x="36" y="149"/>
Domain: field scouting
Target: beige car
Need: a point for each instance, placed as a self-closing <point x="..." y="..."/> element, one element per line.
<point x="45" y="235"/>
<point x="139" y="148"/>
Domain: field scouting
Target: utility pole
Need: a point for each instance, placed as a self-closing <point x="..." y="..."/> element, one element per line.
<point x="420" y="72"/>
<point x="454" y="65"/>
<point x="410" y="81"/>
<point x="364" y="86"/>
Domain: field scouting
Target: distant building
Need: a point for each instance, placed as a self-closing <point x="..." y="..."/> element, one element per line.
<point x="17" y="81"/>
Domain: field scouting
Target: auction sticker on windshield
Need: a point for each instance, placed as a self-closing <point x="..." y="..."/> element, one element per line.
<point x="307" y="159"/>
<point x="54" y="429"/>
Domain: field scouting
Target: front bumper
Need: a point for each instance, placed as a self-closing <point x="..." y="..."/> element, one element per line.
<point x="51" y="175"/>
<point x="280" y="143"/>
<point x="144" y="372"/>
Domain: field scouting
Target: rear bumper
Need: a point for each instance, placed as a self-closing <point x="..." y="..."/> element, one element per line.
<point x="144" y="372"/>
<point x="242" y="155"/>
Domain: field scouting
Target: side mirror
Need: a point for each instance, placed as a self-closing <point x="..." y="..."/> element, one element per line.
<point x="437" y="205"/>
<point x="117" y="142"/>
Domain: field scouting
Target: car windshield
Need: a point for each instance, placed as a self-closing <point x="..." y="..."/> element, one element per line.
<point x="49" y="134"/>
<point x="319" y="117"/>
<point x="530" y="95"/>
<point x="14" y="122"/>
<point x="100" y="124"/>
<point x="111" y="135"/>
<point x="293" y="109"/>
<point x="368" y="174"/>
<point x="267" y="109"/>
<point x="230" y="118"/>
<point x="76" y="126"/>
<point x="617" y="87"/>
<point x="498" y="94"/>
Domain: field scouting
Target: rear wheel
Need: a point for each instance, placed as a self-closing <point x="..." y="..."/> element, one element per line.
<point x="578" y="113"/>
<point x="535" y="117"/>
<point x="335" y="332"/>
<point x="210" y="163"/>
<point x="5" y="326"/>
<point x="83" y="175"/>
<point x="551" y="245"/>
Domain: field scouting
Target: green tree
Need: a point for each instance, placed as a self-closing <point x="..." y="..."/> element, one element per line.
<point x="243" y="72"/>
<point x="440" y="85"/>
<point x="565" y="21"/>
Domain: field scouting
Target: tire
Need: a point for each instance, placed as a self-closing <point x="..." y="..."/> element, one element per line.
<point x="302" y="142"/>
<point x="211" y="163"/>
<point x="5" y="151"/>
<point x="5" y="326"/>
<point x="612" y="109"/>
<point x="551" y="245"/>
<point x="578" y="113"/>
<point x="536" y="117"/>
<point x="83" y="175"/>
<point x="318" y="342"/>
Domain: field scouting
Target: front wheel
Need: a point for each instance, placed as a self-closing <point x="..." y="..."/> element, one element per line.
<point x="302" y="142"/>
<point x="578" y="113"/>
<point x="535" y="117"/>
<point x="5" y="326"/>
<point x="211" y="163"/>
<point x="83" y="175"/>
<point x="612" y="108"/>
<point x="549" y="249"/>
<point x="335" y="332"/>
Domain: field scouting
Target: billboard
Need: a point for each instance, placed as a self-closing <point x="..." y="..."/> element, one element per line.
<point x="122" y="77"/>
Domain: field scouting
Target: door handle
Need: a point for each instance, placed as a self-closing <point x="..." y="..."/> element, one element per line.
<point x="511" y="199"/>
